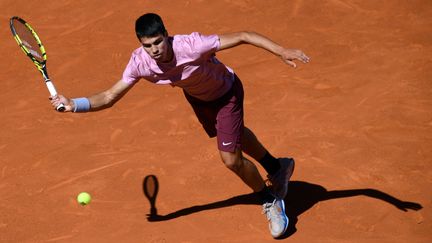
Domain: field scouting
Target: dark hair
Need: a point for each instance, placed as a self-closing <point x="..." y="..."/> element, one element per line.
<point x="149" y="25"/>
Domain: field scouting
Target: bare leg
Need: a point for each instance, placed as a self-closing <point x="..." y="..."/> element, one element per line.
<point x="243" y="168"/>
<point x="251" y="146"/>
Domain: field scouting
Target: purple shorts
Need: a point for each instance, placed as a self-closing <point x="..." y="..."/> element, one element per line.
<point x="223" y="117"/>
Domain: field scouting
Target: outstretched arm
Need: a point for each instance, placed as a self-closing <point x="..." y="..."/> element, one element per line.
<point x="98" y="101"/>
<point x="246" y="37"/>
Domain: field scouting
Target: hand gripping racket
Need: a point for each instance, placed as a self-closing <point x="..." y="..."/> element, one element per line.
<point x="32" y="46"/>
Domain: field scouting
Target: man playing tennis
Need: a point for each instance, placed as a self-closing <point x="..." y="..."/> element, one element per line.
<point x="216" y="96"/>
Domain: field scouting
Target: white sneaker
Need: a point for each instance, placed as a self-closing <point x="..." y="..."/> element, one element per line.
<point x="278" y="221"/>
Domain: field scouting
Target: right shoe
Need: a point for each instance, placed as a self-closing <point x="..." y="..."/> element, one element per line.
<point x="281" y="178"/>
<point x="278" y="221"/>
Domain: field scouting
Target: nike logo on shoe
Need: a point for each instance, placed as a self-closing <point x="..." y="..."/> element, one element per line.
<point x="226" y="144"/>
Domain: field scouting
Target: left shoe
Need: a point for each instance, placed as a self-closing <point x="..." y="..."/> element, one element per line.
<point x="278" y="221"/>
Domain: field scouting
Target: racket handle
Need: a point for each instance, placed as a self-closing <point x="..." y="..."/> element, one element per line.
<point x="61" y="108"/>
<point x="53" y="92"/>
<point x="51" y="88"/>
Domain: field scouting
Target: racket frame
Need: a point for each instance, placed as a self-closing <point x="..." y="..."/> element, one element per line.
<point x="40" y="65"/>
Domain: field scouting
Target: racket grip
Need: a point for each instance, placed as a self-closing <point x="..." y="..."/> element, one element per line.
<point x="53" y="92"/>
<point x="51" y="88"/>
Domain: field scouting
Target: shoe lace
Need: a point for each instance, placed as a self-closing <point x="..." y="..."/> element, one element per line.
<point x="269" y="210"/>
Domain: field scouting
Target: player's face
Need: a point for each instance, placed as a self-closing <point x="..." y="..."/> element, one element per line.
<point x="157" y="47"/>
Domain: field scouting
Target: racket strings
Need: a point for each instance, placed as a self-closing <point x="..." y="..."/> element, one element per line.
<point x="29" y="41"/>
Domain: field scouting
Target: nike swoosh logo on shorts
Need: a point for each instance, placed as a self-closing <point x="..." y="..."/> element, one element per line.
<point x="226" y="144"/>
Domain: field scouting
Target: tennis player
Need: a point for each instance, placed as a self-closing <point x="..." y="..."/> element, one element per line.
<point x="216" y="95"/>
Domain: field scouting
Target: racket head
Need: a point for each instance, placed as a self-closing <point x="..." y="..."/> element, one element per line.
<point x="28" y="40"/>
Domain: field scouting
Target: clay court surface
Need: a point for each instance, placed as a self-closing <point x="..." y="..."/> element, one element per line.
<point x="357" y="119"/>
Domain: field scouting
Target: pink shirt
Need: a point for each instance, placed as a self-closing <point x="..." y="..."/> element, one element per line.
<point x="193" y="68"/>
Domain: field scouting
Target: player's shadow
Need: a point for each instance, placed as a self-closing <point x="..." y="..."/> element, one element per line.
<point x="301" y="197"/>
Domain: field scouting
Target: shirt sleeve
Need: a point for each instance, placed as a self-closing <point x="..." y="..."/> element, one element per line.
<point x="130" y="74"/>
<point x="204" y="43"/>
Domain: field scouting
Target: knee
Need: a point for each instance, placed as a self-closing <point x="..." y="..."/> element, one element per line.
<point x="232" y="161"/>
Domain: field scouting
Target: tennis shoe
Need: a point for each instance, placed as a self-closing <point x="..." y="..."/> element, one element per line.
<point x="278" y="221"/>
<point x="281" y="178"/>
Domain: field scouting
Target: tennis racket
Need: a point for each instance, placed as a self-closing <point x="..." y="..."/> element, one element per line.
<point x="32" y="46"/>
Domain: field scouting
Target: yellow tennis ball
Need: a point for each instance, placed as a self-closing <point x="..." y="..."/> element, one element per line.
<point x="84" y="198"/>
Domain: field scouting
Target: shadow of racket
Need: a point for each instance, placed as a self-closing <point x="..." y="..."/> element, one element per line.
<point x="151" y="188"/>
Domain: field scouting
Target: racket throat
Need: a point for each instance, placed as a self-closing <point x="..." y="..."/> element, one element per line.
<point x="44" y="72"/>
<point x="52" y="90"/>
